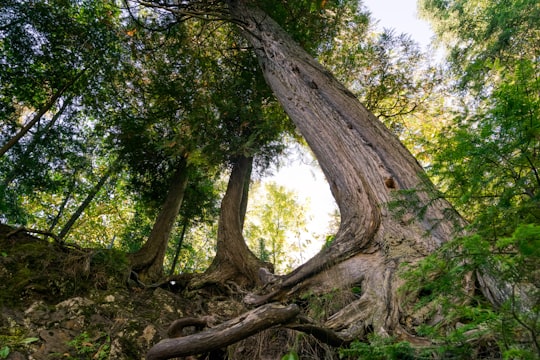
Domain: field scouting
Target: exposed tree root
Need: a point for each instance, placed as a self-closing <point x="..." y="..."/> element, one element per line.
<point x="226" y="333"/>
<point x="323" y="334"/>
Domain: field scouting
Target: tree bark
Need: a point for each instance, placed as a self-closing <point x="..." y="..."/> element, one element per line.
<point x="234" y="261"/>
<point x="148" y="261"/>
<point x="365" y="165"/>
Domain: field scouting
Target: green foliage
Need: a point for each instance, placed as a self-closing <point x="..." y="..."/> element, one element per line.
<point x="328" y="240"/>
<point x="311" y="23"/>
<point x="381" y="348"/>
<point x="274" y="224"/>
<point x="15" y="343"/>
<point x="388" y="73"/>
<point x="486" y="163"/>
<point x="443" y="281"/>
<point x="13" y="337"/>
<point x="91" y="347"/>
<point x="478" y="31"/>
<point x="50" y="48"/>
<point x="291" y="355"/>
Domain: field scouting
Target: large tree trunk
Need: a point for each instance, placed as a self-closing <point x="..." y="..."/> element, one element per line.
<point x="365" y="165"/>
<point x="148" y="261"/>
<point x="234" y="261"/>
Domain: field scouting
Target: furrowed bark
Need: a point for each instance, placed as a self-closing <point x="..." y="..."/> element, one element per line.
<point x="357" y="153"/>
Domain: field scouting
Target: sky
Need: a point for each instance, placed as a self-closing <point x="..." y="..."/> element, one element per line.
<point x="300" y="174"/>
<point x="402" y="16"/>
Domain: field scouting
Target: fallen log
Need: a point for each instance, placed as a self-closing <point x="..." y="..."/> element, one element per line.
<point x="226" y="333"/>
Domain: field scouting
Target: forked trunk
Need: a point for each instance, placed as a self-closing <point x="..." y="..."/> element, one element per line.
<point x="365" y="165"/>
<point x="234" y="261"/>
<point x="148" y="261"/>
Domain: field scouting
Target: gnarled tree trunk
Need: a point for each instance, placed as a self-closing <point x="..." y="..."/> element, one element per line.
<point x="365" y="165"/>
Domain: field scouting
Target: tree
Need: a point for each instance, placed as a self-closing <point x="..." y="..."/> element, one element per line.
<point x="213" y="109"/>
<point x="366" y="167"/>
<point x="148" y="261"/>
<point x="202" y="115"/>
<point x="55" y="55"/>
<point x="234" y="261"/>
<point x="374" y="165"/>
<point x="91" y="195"/>
<point x="487" y="161"/>
<point x="200" y="207"/>
<point x="272" y="221"/>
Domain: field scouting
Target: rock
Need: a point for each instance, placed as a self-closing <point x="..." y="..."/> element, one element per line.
<point x="148" y="335"/>
<point x="74" y="305"/>
<point x="54" y="341"/>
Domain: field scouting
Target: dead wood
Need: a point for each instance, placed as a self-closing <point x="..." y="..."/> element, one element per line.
<point x="226" y="333"/>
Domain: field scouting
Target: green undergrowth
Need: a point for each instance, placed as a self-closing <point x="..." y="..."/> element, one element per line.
<point x="379" y="348"/>
<point x="14" y="338"/>
<point x="446" y="289"/>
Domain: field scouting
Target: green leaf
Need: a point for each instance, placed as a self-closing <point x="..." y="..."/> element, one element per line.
<point x="4" y="352"/>
<point x="29" y="340"/>
<point x="291" y="355"/>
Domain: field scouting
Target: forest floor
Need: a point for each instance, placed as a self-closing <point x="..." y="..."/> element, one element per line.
<point x="64" y="302"/>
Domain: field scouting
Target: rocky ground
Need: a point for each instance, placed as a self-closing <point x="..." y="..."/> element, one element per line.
<point x="63" y="302"/>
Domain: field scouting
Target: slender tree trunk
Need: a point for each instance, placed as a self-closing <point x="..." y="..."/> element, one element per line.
<point x="42" y="111"/>
<point x="245" y="195"/>
<point x="234" y="261"/>
<point x="87" y="201"/>
<point x="179" y="246"/>
<point x="40" y="137"/>
<point x="366" y="167"/>
<point x="148" y="261"/>
<point x="67" y="196"/>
